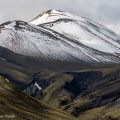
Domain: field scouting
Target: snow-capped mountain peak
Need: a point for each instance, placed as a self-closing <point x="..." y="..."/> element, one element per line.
<point x="60" y="42"/>
<point x="83" y="30"/>
<point x="52" y="15"/>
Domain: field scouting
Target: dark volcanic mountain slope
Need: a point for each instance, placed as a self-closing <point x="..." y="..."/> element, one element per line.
<point x="16" y="105"/>
<point x="87" y="95"/>
<point x="104" y="93"/>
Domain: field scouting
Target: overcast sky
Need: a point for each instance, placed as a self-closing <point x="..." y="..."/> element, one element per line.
<point x="106" y="12"/>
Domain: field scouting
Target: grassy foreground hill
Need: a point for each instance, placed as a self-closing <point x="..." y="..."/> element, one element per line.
<point x="16" y="105"/>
